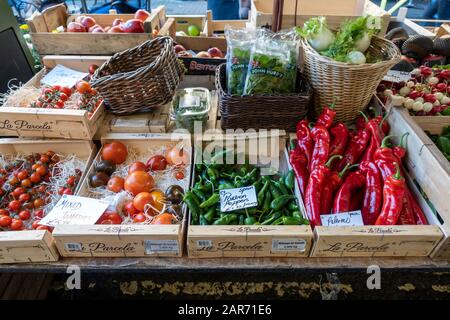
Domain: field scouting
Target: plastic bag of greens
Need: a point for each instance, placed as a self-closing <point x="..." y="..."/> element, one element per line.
<point x="239" y="44"/>
<point x="272" y="65"/>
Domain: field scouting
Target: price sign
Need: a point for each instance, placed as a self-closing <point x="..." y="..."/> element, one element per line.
<point x="238" y="198"/>
<point x="351" y="219"/>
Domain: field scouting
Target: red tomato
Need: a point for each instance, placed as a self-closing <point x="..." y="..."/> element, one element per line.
<point x="165" y="218"/>
<point x="24" y="215"/>
<point x="22" y="175"/>
<point x="26" y="183"/>
<point x="179" y="175"/>
<point x="107" y="221"/>
<point x="63" y="96"/>
<point x="157" y="162"/>
<point x="141" y="200"/>
<point x="114" y="217"/>
<point x="24" y="197"/>
<point x="47" y="91"/>
<point x="5" y="221"/>
<point x="177" y="156"/>
<point x="139" y="181"/>
<point x="115" y="151"/>
<point x="39" y="214"/>
<point x="38" y="203"/>
<point x="36" y="223"/>
<point x="43" y="228"/>
<point x="56" y="88"/>
<point x="41" y="170"/>
<point x="59" y="104"/>
<point x="130" y="210"/>
<point x="61" y="190"/>
<point x="35" y="177"/>
<point x="18" y="191"/>
<point x="115" y="184"/>
<point x="4" y="212"/>
<point x="68" y="191"/>
<point x="137" y="166"/>
<point x="140" y="217"/>
<point x="83" y="87"/>
<point x="16" y="224"/>
<point x="67" y="91"/>
<point x="44" y="158"/>
<point x="71" y="181"/>
<point x="14" y="205"/>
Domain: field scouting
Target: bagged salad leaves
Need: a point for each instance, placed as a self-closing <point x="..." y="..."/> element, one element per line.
<point x="273" y="64"/>
<point x="239" y="44"/>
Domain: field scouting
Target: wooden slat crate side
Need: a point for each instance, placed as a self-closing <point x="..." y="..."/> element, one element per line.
<point x="442" y="251"/>
<point x="202" y="43"/>
<point x="77" y="62"/>
<point x="433" y="124"/>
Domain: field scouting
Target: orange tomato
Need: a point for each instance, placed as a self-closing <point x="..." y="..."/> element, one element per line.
<point x="158" y="198"/>
<point x="137" y="166"/>
<point x="165" y="218"/>
<point x="83" y="87"/>
<point x="140" y="217"/>
<point x="139" y="181"/>
<point x="115" y="184"/>
<point x="177" y="156"/>
<point x="115" y="151"/>
<point x="141" y="200"/>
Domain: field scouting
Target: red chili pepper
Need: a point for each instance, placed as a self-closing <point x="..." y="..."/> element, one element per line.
<point x="393" y="194"/>
<point x="376" y="137"/>
<point x="339" y="138"/>
<point x="360" y="123"/>
<point x="407" y="215"/>
<point x="304" y="139"/>
<point x="400" y="150"/>
<point x="321" y="139"/>
<point x="384" y="158"/>
<point x="327" y="116"/>
<point x="354" y="150"/>
<point x="357" y="200"/>
<point x="298" y="162"/>
<point x="313" y="193"/>
<point x="385" y="127"/>
<point x="419" y="215"/>
<point x="352" y="184"/>
<point x="335" y="180"/>
<point x="373" y="192"/>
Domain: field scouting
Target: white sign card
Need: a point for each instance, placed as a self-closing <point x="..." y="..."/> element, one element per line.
<point x="397" y="76"/>
<point x="238" y="198"/>
<point x="74" y="210"/>
<point x="63" y="76"/>
<point x="350" y="219"/>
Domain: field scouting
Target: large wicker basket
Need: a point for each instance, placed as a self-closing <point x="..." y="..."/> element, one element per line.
<point x="262" y="111"/>
<point x="351" y="85"/>
<point x="139" y="79"/>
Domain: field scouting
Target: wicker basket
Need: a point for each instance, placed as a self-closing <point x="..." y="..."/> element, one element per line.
<point x="351" y="85"/>
<point x="262" y="111"/>
<point x="140" y="78"/>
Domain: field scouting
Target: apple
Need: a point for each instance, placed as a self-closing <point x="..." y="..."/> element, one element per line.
<point x="79" y="19"/>
<point x="75" y="27"/>
<point x="115" y="29"/>
<point x="178" y="48"/>
<point x="193" y="30"/>
<point x="184" y="54"/>
<point x="98" y="30"/>
<point x="117" y="22"/>
<point x="92" y="68"/>
<point x="133" y="26"/>
<point x="94" y="27"/>
<point x="107" y="28"/>
<point x="203" y="54"/>
<point x="88" y="22"/>
<point x="142" y="15"/>
<point x="215" y="52"/>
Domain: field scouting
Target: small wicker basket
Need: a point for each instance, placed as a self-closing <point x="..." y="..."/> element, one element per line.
<point x="262" y="111"/>
<point x="140" y="78"/>
<point x="352" y="86"/>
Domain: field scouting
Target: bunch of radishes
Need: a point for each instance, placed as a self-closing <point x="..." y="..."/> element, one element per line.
<point x="426" y="93"/>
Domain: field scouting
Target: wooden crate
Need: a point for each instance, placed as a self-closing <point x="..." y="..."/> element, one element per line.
<point x="37" y="245"/>
<point x="336" y="12"/>
<point x="125" y="240"/>
<point x="47" y="42"/>
<point x="52" y="123"/>
<point x="248" y="241"/>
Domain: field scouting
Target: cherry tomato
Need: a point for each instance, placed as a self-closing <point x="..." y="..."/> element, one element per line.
<point x="137" y="166"/>
<point x="36" y="223"/>
<point x="26" y="183"/>
<point x="93" y="92"/>
<point x="42" y="188"/>
<point x="24" y="215"/>
<point x="158" y="199"/>
<point x="14" y="205"/>
<point x="18" y="191"/>
<point x="35" y="177"/>
<point x="66" y="91"/>
<point x="36" y="166"/>
<point x="106" y="221"/>
<point x="41" y="170"/>
<point x="130" y="210"/>
<point x="22" y="175"/>
<point x="179" y="175"/>
<point x="5" y="221"/>
<point x="115" y="184"/>
<point x="139" y="181"/>
<point x="141" y="200"/>
<point x="46" y="91"/>
<point x="13" y="181"/>
<point x="59" y="104"/>
<point x="39" y="214"/>
<point x="71" y="181"/>
<point x="16" y="224"/>
<point x="140" y="217"/>
<point x="68" y="191"/>
<point x="165" y="218"/>
<point x="4" y="212"/>
<point x="38" y="203"/>
<point x="115" y="151"/>
<point x="63" y="96"/>
<point x="24" y="197"/>
<point x="42" y="227"/>
<point x="114" y="217"/>
<point x="44" y="158"/>
<point x="177" y="156"/>
<point x="83" y="87"/>
<point x="157" y="162"/>
<point x="38" y="104"/>
<point x="56" y="88"/>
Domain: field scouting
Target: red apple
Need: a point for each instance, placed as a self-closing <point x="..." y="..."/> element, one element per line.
<point x="94" y="27"/>
<point x="215" y="52"/>
<point x="115" y="29"/>
<point x="92" y="68"/>
<point x="142" y="15"/>
<point x="203" y="54"/>
<point x="184" y="54"/>
<point x="117" y="22"/>
<point x="98" y="30"/>
<point x="134" y="26"/>
<point x="75" y="27"/>
<point x="88" y="22"/>
<point x="179" y="48"/>
<point x="79" y="19"/>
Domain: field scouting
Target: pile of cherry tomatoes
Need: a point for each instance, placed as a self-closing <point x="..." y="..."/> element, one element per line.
<point x="25" y="190"/>
<point x="148" y="201"/>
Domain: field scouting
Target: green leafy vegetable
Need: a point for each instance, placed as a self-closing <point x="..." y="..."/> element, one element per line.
<point x="316" y="31"/>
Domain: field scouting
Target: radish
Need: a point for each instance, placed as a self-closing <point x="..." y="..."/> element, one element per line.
<point x="417" y="106"/>
<point x="427" y="106"/>
<point x="410" y="84"/>
<point x="408" y="103"/>
<point x="416" y="72"/>
<point x="445" y="100"/>
<point x="404" y="91"/>
<point x="397" y="101"/>
<point x="388" y="92"/>
<point x="420" y="99"/>
<point x="432" y="80"/>
<point x="439" y="95"/>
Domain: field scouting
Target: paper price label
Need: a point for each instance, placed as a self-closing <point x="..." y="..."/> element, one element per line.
<point x="288" y="245"/>
<point x="238" y="198"/>
<point x="351" y="219"/>
<point x="63" y="76"/>
<point x="397" y="76"/>
<point x="161" y="246"/>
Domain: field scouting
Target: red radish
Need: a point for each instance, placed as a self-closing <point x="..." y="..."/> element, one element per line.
<point x="429" y="97"/>
<point x="75" y="27"/>
<point x="142" y="15"/>
<point x="441" y="87"/>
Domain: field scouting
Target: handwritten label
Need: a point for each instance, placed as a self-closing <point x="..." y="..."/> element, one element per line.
<point x="238" y="198"/>
<point x="73" y="210"/>
<point x="397" y="76"/>
<point x="63" y="76"/>
<point x="288" y="245"/>
<point x="161" y="246"/>
<point x="351" y="218"/>
<point x="189" y="101"/>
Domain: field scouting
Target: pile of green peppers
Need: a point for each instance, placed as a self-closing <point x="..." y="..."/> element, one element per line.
<point x="442" y="141"/>
<point x="277" y="204"/>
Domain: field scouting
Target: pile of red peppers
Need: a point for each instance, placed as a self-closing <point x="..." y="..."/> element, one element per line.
<point x="340" y="170"/>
